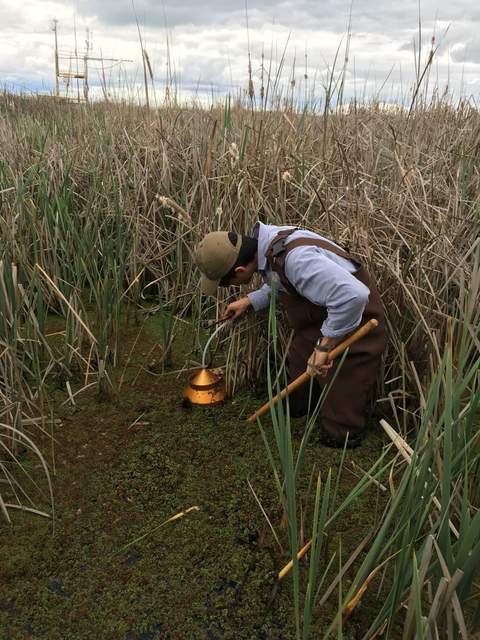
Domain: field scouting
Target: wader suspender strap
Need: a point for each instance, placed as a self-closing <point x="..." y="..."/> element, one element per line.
<point x="275" y="252"/>
<point x="278" y="251"/>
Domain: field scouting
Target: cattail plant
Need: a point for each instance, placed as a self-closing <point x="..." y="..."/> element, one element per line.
<point x="23" y="350"/>
<point x="429" y="537"/>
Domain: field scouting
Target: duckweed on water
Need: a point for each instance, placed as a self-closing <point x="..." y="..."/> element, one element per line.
<point x="210" y="574"/>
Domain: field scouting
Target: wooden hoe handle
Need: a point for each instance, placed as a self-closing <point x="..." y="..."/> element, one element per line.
<point x="305" y="377"/>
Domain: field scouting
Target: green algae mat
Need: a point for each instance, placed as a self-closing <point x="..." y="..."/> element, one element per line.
<point x="125" y="465"/>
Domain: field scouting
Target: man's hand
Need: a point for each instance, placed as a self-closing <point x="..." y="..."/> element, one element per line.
<point x="235" y="309"/>
<point x="318" y="364"/>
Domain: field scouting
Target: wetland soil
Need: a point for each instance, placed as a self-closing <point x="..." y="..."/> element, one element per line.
<point x="126" y="464"/>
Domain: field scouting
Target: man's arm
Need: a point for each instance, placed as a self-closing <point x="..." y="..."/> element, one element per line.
<point x="260" y="299"/>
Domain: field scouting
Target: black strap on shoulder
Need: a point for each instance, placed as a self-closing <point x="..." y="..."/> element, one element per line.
<point x="279" y="249"/>
<point x="275" y="256"/>
<point x="277" y="246"/>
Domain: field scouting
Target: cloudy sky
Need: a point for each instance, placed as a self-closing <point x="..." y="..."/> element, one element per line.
<point x="205" y="44"/>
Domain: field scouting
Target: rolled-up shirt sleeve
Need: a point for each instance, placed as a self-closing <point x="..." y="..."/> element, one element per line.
<point x="324" y="282"/>
<point x="260" y="298"/>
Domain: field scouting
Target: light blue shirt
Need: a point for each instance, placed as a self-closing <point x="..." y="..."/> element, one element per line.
<point x="316" y="274"/>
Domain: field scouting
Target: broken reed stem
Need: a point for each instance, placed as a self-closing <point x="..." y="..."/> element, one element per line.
<point x="62" y="297"/>
<point x="406" y="451"/>
<point x="288" y="567"/>
<point x="177" y="516"/>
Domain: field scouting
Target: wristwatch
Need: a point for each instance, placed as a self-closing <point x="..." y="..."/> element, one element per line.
<point x="324" y="348"/>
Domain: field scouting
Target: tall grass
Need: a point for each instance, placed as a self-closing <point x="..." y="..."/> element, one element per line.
<point x="430" y="534"/>
<point x="23" y="347"/>
<point x="101" y="205"/>
<point x="424" y="554"/>
<point x="79" y="197"/>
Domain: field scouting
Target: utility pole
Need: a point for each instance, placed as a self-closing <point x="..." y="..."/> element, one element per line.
<point x="85" y="68"/>
<point x="57" y="69"/>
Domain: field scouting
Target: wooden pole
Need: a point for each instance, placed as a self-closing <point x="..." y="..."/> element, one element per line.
<point x="57" y="70"/>
<point x="85" y="68"/>
<point x="305" y="377"/>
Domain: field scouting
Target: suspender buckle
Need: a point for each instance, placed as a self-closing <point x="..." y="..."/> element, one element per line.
<point x="278" y="247"/>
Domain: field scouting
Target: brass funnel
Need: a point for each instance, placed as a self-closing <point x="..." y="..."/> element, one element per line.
<point x="205" y="387"/>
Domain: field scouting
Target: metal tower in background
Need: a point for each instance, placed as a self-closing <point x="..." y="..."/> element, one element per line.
<point x="77" y="63"/>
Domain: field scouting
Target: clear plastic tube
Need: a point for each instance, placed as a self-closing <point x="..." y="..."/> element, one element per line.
<point x="217" y="330"/>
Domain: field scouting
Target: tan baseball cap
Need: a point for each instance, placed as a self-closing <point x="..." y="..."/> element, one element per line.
<point x="215" y="256"/>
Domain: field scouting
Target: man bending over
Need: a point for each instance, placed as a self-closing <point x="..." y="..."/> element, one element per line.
<point x="326" y="294"/>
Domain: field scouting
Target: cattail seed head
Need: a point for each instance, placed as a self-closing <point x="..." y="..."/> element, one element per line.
<point x="234" y="154"/>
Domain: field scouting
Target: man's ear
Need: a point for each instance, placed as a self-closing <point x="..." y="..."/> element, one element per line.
<point x="240" y="270"/>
